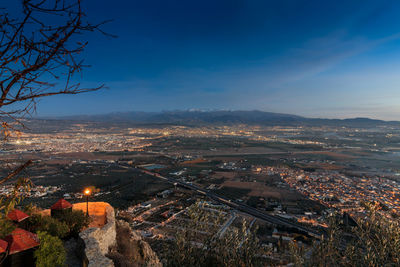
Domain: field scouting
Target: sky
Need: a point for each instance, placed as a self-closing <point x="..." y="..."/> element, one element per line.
<point x="331" y="59"/>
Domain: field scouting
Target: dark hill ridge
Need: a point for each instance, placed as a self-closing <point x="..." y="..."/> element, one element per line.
<point x="225" y="117"/>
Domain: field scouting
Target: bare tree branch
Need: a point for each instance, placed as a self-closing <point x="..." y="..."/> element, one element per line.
<point x="40" y="53"/>
<point x="15" y="172"/>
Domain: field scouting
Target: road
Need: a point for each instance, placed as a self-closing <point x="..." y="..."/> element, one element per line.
<point x="225" y="226"/>
<point x="239" y="206"/>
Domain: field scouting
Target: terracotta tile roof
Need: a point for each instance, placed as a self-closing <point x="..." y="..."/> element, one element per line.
<point x="61" y="204"/>
<point x="20" y="240"/>
<point x="17" y="215"/>
<point x="3" y="246"/>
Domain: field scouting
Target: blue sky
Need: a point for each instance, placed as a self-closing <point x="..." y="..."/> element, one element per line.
<point x="312" y="58"/>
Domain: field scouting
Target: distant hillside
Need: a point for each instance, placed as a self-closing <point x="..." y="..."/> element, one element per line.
<point x="225" y="117"/>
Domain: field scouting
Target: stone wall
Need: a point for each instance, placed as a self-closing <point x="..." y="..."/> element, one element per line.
<point x="98" y="240"/>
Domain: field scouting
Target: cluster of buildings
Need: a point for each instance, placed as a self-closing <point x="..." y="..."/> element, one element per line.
<point x="85" y="137"/>
<point x="201" y="131"/>
<point x="232" y="166"/>
<point x="74" y="140"/>
<point x="34" y="192"/>
<point x="344" y="193"/>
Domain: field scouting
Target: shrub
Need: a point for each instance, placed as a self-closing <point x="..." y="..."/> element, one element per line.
<point x="30" y="209"/>
<point x="6" y="226"/>
<point x="238" y="246"/>
<point x="75" y="220"/>
<point x="65" y="225"/>
<point x="374" y="241"/>
<point x="51" y="252"/>
<point x="51" y="225"/>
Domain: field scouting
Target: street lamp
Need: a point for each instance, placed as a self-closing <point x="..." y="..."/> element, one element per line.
<point x="87" y="193"/>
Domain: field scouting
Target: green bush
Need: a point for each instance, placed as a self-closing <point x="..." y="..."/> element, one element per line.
<point x="374" y="241"/>
<point x="48" y="224"/>
<point x="51" y="252"/>
<point x="65" y="225"/>
<point x="6" y="226"/>
<point x="75" y="220"/>
<point x="238" y="246"/>
<point x="30" y="209"/>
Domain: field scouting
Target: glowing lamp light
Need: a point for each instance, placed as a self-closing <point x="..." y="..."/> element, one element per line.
<point x="87" y="192"/>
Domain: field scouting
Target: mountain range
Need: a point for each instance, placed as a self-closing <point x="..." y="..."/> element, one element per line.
<point x="196" y="117"/>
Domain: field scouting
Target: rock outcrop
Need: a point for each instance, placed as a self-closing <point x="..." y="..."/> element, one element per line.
<point x="131" y="250"/>
<point x="98" y="240"/>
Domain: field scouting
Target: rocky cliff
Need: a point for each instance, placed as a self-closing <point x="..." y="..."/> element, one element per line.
<point x="131" y="250"/>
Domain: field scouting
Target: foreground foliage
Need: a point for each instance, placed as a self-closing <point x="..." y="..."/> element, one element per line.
<point x="76" y="220"/>
<point x="51" y="252"/>
<point x="54" y="227"/>
<point x="192" y="247"/>
<point x="6" y="226"/>
<point x="375" y="241"/>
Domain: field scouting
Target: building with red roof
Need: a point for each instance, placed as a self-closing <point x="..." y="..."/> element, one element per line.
<point x="61" y="204"/>
<point x="60" y="207"/>
<point x="21" y="247"/>
<point x="21" y="240"/>
<point x="17" y="215"/>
